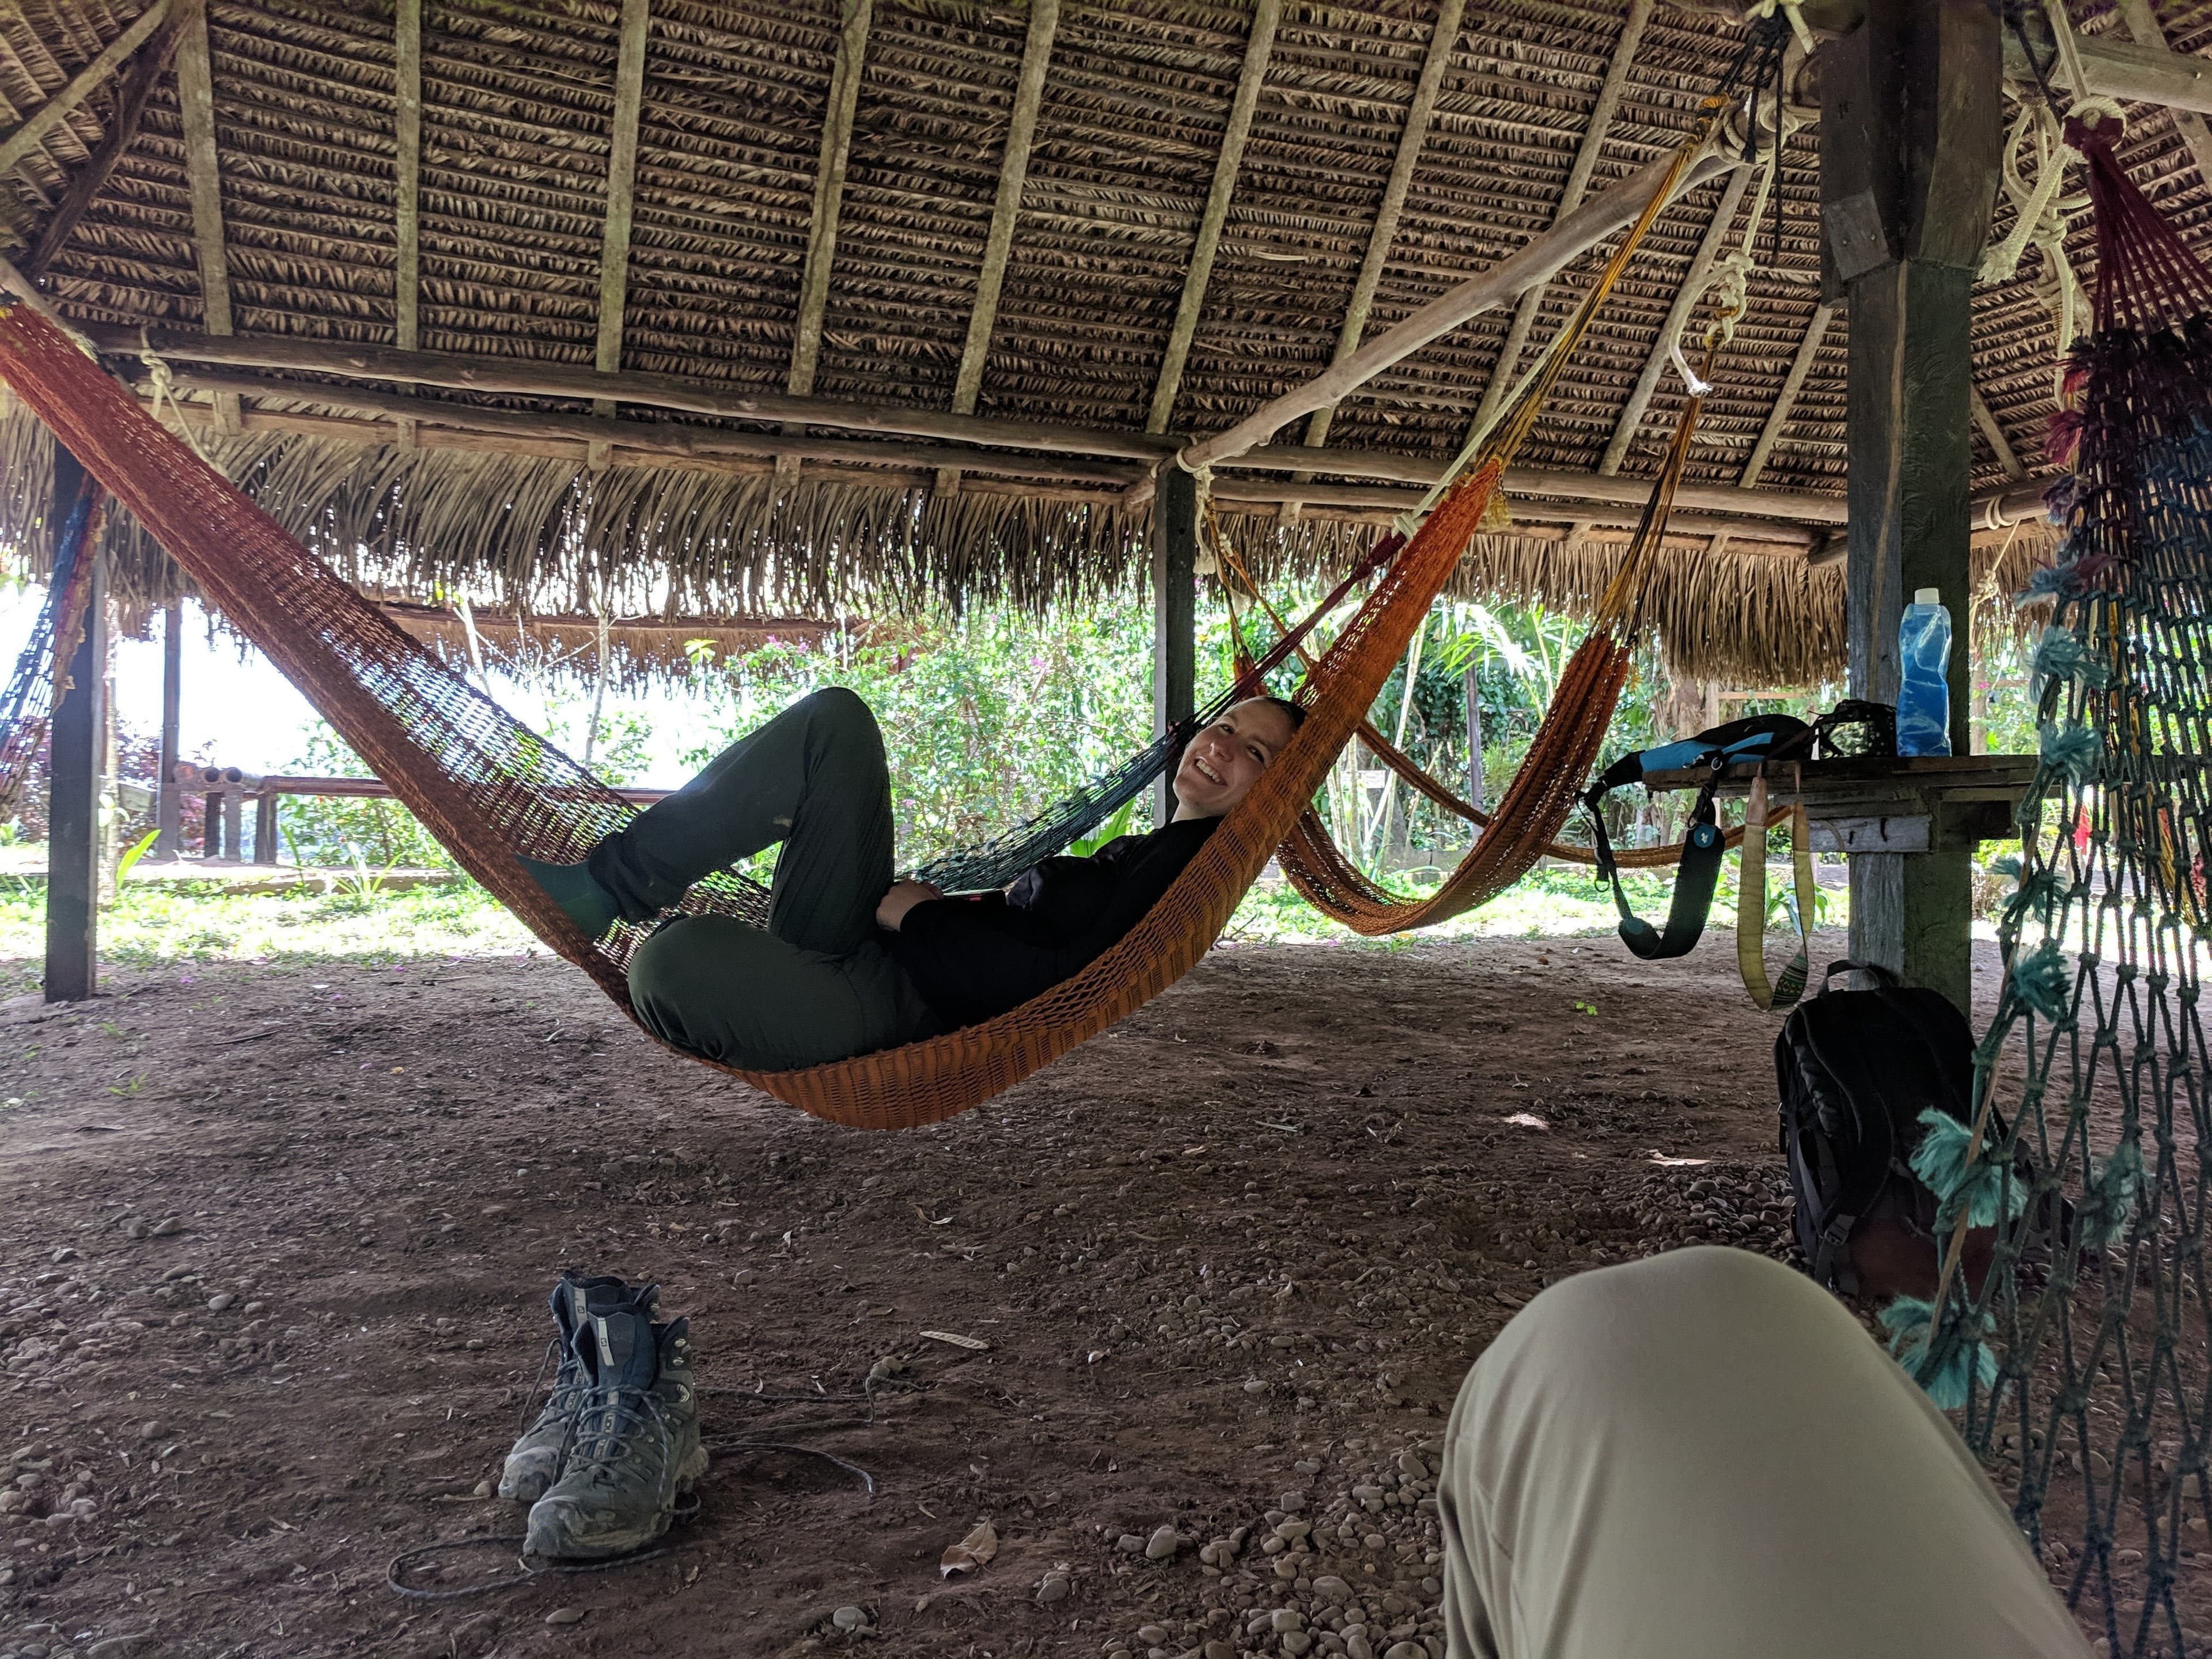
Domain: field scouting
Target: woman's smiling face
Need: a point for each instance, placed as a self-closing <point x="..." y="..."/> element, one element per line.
<point x="1225" y="759"/>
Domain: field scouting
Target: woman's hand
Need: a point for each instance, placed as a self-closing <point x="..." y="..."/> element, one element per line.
<point x="891" y="908"/>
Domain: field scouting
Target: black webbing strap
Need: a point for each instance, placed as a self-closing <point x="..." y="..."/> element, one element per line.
<point x="1699" y="871"/>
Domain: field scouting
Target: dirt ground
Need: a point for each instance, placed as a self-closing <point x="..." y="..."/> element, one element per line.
<point x="278" y="1244"/>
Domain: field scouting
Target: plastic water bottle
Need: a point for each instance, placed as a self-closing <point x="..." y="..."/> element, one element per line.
<point x="1923" y="691"/>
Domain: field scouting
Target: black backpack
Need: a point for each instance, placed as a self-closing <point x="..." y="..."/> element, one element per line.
<point x="1856" y="1069"/>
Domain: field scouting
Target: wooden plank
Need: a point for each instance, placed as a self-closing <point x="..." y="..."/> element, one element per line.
<point x="43" y="120"/>
<point x="203" y="175"/>
<point x="835" y="158"/>
<point x="1801" y="366"/>
<point x="2141" y="23"/>
<point x="1985" y="419"/>
<point x="78" y="740"/>
<point x="1525" y="510"/>
<point x="138" y="89"/>
<point x="1257" y="49"/>
<point x="1174" y="614"/>
<point x="1570" y="195"/>
<point x="1442" y="40"/>
<point x="1687" y="298"/>
<point x="1542" y="257"/>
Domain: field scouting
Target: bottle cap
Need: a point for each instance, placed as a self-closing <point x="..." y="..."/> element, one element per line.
<point x="1928" y="595"/>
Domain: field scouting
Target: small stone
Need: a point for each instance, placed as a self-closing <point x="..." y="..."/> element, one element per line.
<point x="138" y="1228"/>
<point x="483" y="1489"/>
<point x="1404" y="1650"/>
<point x="167" y="1227"/>
<point x="567" y="1615"/>
<point x="1217" y="1648"/>
<point x="1129" y="1543"/>
<point x="1255" y="1386"/>
<point x="849" y="1619"/>
<point x="1163" y="1544"/>
<point x="64" y="1254"/>
<point x="1297" y="1643"/>
<point x="1330" y="1588"/>
<point x="151" y="1431"/>
<point x="1152" y="1635"/>
<point x="743" y="1276"/>
<point x="1285" y="1619"/>
<point x="119" y="1647"/>
<point x="252" y="1308"/>
<point x="1054" y="1588"/>
<point x="1375" y="1541"/>
<point x="220" y="1301"/>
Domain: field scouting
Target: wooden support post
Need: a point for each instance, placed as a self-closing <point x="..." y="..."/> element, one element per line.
<point x="264" y="827"/>
<point x="211" y="825"/>
<point x="1909" y="156"/>
<point x="1175" y="611"/>
<point x="169" y="796"/>
<point x="78" y="736"/>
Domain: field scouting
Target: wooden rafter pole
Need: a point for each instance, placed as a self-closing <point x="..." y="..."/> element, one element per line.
<point x="407" y="185"/>
<point x="44" y="120"/>
<point x="138" y="89"/>
<point x="1985" y="418"/>
<point x="829" y="194"/>
<point x="1542" y="257"/>
<point x="525" y="377"/>
<point x="1006" y="211"/>
<point x="2142" y="23"/>
<point x="1257" y="50"/>
<point x="204" y="176"/>
<point x="1678" y="314"/>
<point x="622" y="186"/>
<point x="1411" y="138"/>
<point x="1571" y="196"/>
<point x="1801" y="366"/>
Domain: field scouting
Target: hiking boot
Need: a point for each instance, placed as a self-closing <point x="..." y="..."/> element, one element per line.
<point x="637" y="1445"/>
<point x="534" y="1463"/>
<point x="577" y="891"/>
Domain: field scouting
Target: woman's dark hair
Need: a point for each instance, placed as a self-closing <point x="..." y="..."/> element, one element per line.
<point x="1295" y="713"/>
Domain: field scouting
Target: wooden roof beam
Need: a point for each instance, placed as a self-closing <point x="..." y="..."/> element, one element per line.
<point x="675" y="438"/>
<point x="204" y="177"/>
<point x="1999" y="444"/>
<point x="407" y="177"/>
<point x="1540" y="259"/>
<point x="622" y="186"/>
<point x="1257" y="49"/>
<point x="1410" y="140"/>
<point x="829" y="172"/>
<point x="1801" y="366"/>
<point x="1006" y="210"/>
<point x="1571" y="197"/>
<point x="41" y="121"/>
<point x="131" y="102"/>
<point x="2142" y="23"/>
<point x="534" y="378"/>
<point x="1586" y="513"/>
<point x="1687" y="300"/>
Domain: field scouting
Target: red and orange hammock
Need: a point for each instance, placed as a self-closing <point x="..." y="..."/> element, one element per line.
<point x="489" y="788"/>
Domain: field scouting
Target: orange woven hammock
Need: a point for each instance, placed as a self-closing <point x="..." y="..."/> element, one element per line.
<point x="489" y="788"/>
<point x="1549" y="779"/>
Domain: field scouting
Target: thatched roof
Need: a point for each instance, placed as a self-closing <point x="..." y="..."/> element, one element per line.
<point x="521" y="116"/>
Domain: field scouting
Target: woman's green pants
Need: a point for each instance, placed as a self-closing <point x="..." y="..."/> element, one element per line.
<point x="817" y="984"/>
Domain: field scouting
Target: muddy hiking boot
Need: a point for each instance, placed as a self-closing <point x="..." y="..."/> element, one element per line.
<point x="635" y="1449"/>
<point x="534" y="1463"/>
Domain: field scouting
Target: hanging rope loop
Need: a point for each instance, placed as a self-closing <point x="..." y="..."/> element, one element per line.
<point x="163" y="382"/>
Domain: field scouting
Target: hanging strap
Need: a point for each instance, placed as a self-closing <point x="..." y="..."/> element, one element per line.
<point x="1695" y="876"/>
<point x="1750" y="903"/>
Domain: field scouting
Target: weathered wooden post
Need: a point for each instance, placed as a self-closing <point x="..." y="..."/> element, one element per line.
<point x="79" y="738"/>
<point x="1910" y="139"/>
<point x="1175" y="611"/>
<point x="169" y="799"/>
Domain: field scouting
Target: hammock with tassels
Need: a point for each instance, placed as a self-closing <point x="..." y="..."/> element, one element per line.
<point x="490" y="789"/>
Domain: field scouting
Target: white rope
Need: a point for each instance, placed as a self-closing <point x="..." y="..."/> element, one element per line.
<point x="164" y="385"/>
<point x="2042" y="214"/>
<point x="1728" y="285"/>
<point x="1205" y="562"/>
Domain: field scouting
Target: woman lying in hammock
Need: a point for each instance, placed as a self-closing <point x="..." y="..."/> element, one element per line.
<point x="852" y="960"/>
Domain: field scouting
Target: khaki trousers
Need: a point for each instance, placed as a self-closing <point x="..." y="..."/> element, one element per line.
<point x="1703" y="1456"/>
